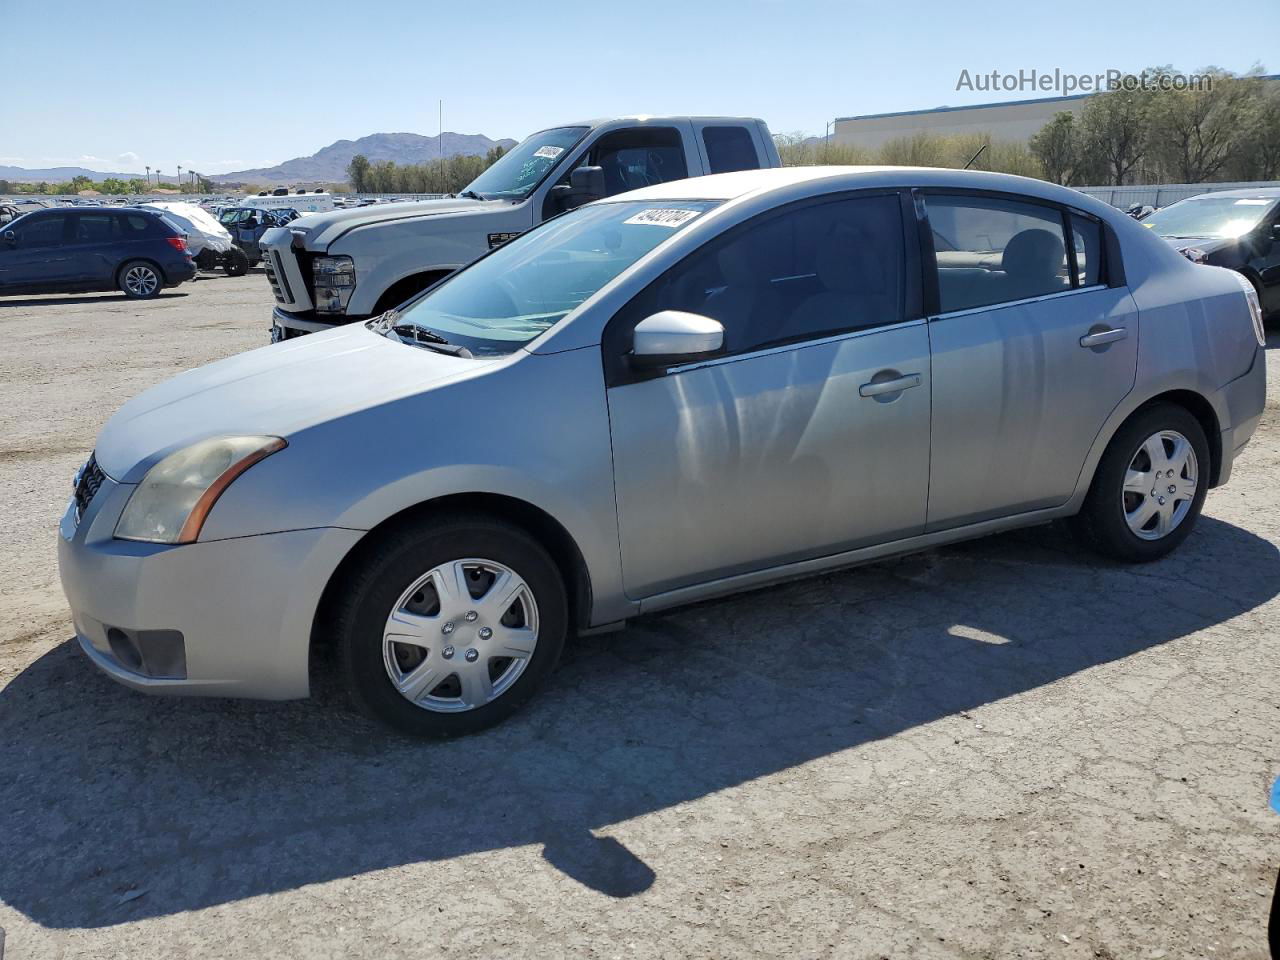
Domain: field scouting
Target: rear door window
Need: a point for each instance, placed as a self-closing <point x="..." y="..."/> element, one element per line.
<point x="729" y="149"/>
<point x="94" y="228"/>
<point x="991" y="250"/>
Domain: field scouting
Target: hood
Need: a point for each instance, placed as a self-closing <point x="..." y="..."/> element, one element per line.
<point x="1207" y="244"/>
<point x="322" y="229"/>
<point x="275" y="390"/>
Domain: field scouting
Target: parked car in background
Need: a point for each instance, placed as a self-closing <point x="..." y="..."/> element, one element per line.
<point x="353" y="264"/>
<point x="247" y="224"/>
<point x="69" y="250"/>
<point x="1238" y="229"/>
<point x="688" y="390"/>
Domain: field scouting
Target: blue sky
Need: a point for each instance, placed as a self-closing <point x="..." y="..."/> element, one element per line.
<point x="261" y="83"/>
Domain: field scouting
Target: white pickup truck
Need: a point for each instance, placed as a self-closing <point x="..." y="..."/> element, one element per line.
<point x="338" y="267"/>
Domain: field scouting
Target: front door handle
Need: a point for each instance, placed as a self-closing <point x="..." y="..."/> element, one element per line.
<point x="877" y="388"/>
<point x="1103" y="337"/>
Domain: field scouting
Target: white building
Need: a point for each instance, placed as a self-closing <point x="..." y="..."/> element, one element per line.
<point x="1013" y="120"/>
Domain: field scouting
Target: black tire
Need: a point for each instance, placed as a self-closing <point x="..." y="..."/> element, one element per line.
<point x="140" y="280"/>
<point x="235" y="262"/>
<point x="1101" y="523"/>
<point x="390" y="566"/>
<point x="206" y="259"/>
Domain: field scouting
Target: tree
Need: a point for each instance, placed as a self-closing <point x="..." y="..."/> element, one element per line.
<point x="358" y="173"/>
<point x="1258" y="154"/>
<point x="1057" y="146"/>
<point x="1113" y="127"/>
<point x="1196" y="133"/>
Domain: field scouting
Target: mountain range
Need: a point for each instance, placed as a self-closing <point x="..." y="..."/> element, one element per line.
<point x="330" y="163"/>
<point x="57" y="174"/>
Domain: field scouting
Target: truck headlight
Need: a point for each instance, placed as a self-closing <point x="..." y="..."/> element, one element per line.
<point x="174" y="498"/>
<point x="332" y="281"/>
<point x="1195" y="255"/>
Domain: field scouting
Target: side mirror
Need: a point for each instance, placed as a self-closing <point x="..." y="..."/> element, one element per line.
<point x="585" y="184"/>
<point x="11" y="238"/>
<point x="588" y="182"/>
<point x="673" y="336"/>
<point x="1275" y="231"/>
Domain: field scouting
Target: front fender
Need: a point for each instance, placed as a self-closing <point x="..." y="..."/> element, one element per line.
<point x="532" y="428"/>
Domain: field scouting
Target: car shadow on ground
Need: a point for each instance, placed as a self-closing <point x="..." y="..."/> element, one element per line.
<point x="119" y="806"/>
<point x="72" y="300"/>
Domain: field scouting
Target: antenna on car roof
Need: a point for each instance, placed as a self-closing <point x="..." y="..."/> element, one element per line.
<point x="975" y="157"/>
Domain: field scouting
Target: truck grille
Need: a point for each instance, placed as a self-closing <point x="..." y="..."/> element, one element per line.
<point x="276" y="277"/>
<point x="87" y="482"/>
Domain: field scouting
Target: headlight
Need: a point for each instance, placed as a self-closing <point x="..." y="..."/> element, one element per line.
<point x="174" y="498"/>
<point x="332" y="280"/>
<point x="1195" y="255"/>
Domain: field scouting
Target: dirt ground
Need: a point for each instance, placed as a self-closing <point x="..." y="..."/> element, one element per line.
<point x="1001" y="749"/>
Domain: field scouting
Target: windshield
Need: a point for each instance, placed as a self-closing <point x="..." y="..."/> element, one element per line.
<point x="1209" y="217"/>
<point x="522" y="168"/>
<point x="519" y="291"/>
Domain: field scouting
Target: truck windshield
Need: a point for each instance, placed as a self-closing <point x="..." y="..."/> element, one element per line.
<point x="1209" y="217"/>
<point x="519" y="291"/>
<point x="522" y="168"/>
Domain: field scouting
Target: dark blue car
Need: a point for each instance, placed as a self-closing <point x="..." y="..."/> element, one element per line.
<point x="70" y="250"/>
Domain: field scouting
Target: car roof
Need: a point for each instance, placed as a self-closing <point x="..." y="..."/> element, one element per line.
<point x="652" y="118"/>
<point x="731" y="186"/>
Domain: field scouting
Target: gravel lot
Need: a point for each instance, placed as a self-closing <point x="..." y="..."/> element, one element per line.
<point x="1001" y="749"/>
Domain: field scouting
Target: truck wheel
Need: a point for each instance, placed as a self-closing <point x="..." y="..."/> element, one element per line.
<point x="140" y="280"/>
<point x="206" y="259"/>
<point x="235" y="262"/>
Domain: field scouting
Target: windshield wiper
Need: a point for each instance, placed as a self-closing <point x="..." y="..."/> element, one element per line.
<point x="470" y="195"/>
<point x="429" y="339"/>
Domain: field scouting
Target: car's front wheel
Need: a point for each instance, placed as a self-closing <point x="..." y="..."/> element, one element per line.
<point x="1149" y="486"/>
<point x="447" y="627"/>
<point x="140" y="280"/>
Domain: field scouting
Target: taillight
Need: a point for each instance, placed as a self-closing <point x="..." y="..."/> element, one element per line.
<point x="178" y="243"/>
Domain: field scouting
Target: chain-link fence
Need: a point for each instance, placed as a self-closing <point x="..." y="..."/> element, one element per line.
<point x="1162" y="194"/>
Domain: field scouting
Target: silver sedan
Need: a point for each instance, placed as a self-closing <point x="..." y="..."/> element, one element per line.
<point x="682" y="392"/>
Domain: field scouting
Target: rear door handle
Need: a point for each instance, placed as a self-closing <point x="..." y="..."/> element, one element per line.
<point x="896" y="385"/>
<point x="1103" y="337"/>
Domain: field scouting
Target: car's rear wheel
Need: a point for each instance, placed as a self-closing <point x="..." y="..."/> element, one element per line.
<point x="140" y="280"/>
<point x="1149" y="487"/>
<point x="446" y="628"/>
<point x="235" y="262"/>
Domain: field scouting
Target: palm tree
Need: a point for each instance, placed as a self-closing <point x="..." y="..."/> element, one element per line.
<point x="148" y="176"/>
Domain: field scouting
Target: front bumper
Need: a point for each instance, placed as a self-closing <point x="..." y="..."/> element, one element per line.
<point x="286" y="325"/>
<point x="228" y="617"/>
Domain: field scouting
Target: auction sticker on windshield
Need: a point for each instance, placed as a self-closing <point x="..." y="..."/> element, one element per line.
<point x="549" y="152"/>
<point x="663" y="217"/>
